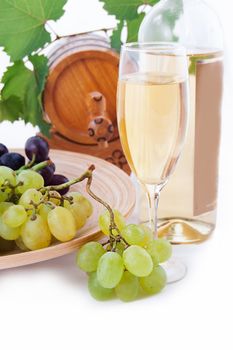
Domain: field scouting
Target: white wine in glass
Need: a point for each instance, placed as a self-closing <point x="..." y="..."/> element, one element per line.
<point x="152" y="116"/>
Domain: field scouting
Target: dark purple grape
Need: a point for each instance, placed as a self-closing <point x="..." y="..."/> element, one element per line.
<point x="58" y="179"/>
<point x="3" y="149"/>
<point x="13" y="160"/>
<point x="47" y="173"/>
<point x="38" y="146"/>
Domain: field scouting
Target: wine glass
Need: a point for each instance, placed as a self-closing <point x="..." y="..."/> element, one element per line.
<point x="152" y="103"/>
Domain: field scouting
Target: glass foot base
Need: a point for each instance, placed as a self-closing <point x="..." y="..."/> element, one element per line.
<point x="184" y="231"/>
<point x="175" y="269"/>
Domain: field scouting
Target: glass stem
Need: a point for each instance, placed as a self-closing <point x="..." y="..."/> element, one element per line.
<point x="153" y="193"/>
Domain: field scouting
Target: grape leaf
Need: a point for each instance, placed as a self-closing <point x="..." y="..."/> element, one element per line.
<point x="40" y="64"/>
<point x="10" y="109"/>
<point x="133" y="28"/>
<point x="22" y="23"/>
<point x="125" y="9"/>
<point x="33" y="110"/>
<point x="15" y="81"/>
<point x="27" y="86"/>
<point x="116" y="36"/>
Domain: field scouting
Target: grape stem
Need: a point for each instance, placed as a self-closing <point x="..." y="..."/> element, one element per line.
<point x="41" y="165"/>
<point x="49" y="195"/>
<point x="12" y="194"/>
<point x="36" y="207"/>
<point x="105" y="243"/>
<point x="112" y="226"/>
<point x="8" y="185"/>
<point x="69" y="199"/>
<point x="42" y="201"/>
<point x="32" y="161"/>
<point x="84" y="176"/>
<point x="28" y="165"/>
<point x="124" y="241"/>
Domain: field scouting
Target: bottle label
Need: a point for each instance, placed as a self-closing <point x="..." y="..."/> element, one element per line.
<point x="209" y="77"/>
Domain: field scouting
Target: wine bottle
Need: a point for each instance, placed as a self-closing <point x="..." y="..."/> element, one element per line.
<point x="187" y="210"/>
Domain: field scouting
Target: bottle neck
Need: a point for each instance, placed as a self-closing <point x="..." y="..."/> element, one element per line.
<point x="190" y="22"/>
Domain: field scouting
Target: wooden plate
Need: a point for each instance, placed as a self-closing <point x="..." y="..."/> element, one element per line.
<point x="109" y="182"/>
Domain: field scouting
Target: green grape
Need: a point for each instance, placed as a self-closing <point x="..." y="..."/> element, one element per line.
<point x="155" y="282"/>
<point x="7" y="174"/>
<point x="62" y="224"/>
<point x="88" y="256"/>
<point x="137" y="261"/>
<point x="83" y="201"/>
<point x="35" y="233"/>
<point x="29" y="196"/>
<point x="110" y="269"/>
<point x="7" y="232"/>
<point x="128" y="287"/>
<point x="6" y="246"/>
<point x="4" y="206"/>
<point x="104" y="221"/>
<point x="30" y="179"/>
<point x="137" y="235"/>
<point x="96" y="290"/>
<point x="79" y="214"/>
<point x="160" y="250"/>
<point x="20" y="244"/>
<point x="44" y="209"/>
<point x="149" y="234"/>
<point x="14" y="216"/>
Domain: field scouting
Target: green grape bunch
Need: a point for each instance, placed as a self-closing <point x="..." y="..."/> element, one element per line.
<point x="127" y="264"/>
<point x="36" y="208"/>
<point x="34" y="214"/>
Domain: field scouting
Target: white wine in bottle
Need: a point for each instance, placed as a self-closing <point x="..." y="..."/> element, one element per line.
<point x="188" y="203"/>
<point x="190" y="197"/>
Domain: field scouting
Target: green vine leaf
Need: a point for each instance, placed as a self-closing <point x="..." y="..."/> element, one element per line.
<point x="125" y="9"/>
<point x="133" y="28"/>
<point x="22" y="24"/>
<point x="10" y="109"/>
<point x="15" y="81"/>
<point x="40" y="64"/>
<point x="26" y="86"/>
<point x="116" y="36"/>
<point x="33" y="109"/>
<point x="41" y="70"/>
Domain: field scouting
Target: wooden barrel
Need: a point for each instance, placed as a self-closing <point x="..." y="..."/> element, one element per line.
<point x="80" y="97"/>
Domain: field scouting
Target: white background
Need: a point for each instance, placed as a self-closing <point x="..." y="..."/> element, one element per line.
<point x="47" y="306"/>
